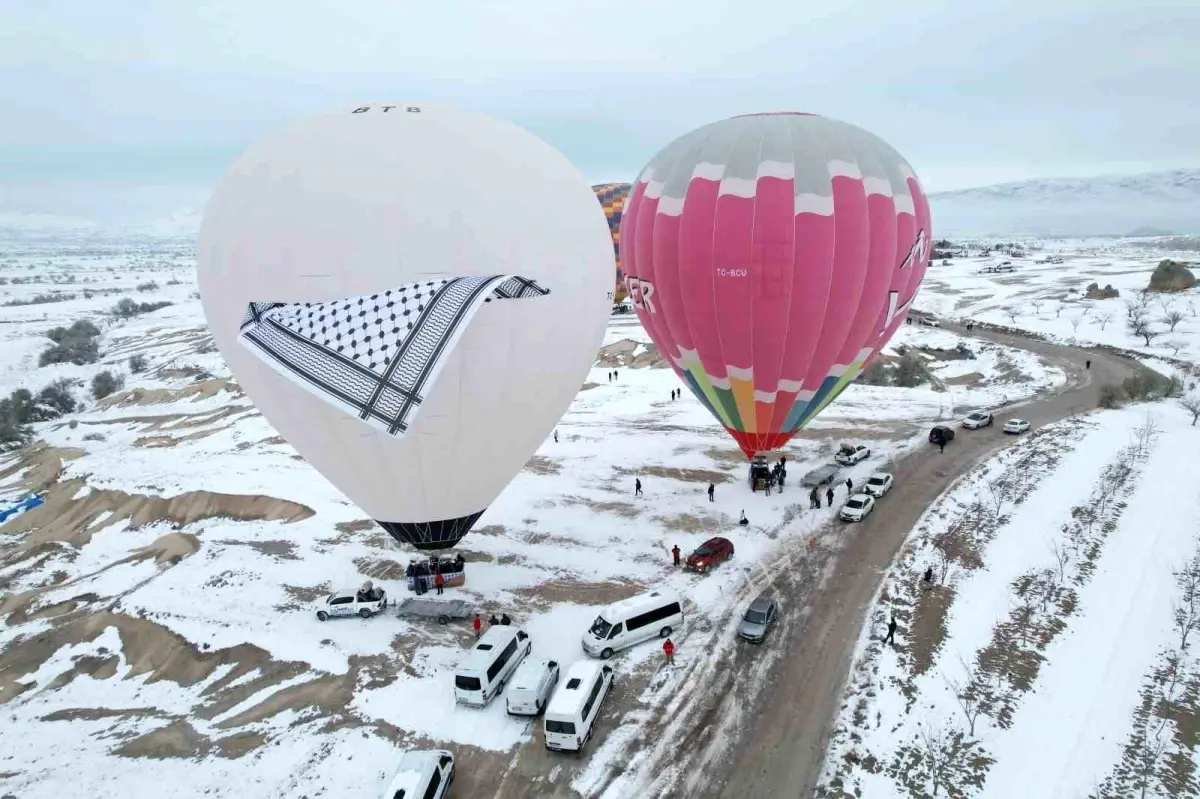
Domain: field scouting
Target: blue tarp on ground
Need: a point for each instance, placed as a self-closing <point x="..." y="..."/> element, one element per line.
<point x="31" y="501"/>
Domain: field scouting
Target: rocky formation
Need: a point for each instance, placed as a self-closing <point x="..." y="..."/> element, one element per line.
<point x="1171" y="276"/>
<point x="1094" y="292"/>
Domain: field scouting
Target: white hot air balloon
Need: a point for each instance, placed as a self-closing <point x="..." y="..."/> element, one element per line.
<point x="412" y="295"/>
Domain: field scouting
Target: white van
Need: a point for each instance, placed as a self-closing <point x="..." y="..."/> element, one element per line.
<point x="422" y="775"/>
<point x="530" y="688"/>
<point x="572" y="713"/>
<point x="482" y="674"/>
<point x="631" y="621"/>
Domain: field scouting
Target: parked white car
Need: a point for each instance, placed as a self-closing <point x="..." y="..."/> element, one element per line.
<point x="851" y="454"/>
<point x="878" y="484"/>
<point x="530" y="687"/>
<point x="364" y="602"/>
<point x="423" y="774"/>
<point x="929" y="320"/>
<point x="857" y="508"/>
<point x="977" y="420"/>
<point x="1016" y="426"/>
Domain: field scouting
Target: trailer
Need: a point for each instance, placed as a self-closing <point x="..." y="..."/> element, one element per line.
<point x="444" y="610"/>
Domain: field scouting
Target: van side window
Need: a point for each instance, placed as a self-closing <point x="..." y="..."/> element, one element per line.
<point x="651" y="616"/>
<point x="435" y="782"/>
<point x="620" y="628"/>
<point x="498" y="664"/>
<point x="591" y="700"/>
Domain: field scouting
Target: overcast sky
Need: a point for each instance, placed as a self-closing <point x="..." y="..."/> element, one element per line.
<point x="169" y="91"/>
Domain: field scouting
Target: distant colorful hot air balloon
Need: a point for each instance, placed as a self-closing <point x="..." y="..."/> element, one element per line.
<point x="414" y="334"/>
<point x="770" y="257"/>
<point x="612" y="199"/>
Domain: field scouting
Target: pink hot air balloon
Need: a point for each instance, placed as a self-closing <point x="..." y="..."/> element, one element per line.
<point x="771" y="257"/>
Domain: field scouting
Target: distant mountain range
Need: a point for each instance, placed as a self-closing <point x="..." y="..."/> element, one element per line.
<point x="1147" y="204"/>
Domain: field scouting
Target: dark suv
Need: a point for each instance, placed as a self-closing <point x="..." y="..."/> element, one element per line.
<point x="941" y="435"/>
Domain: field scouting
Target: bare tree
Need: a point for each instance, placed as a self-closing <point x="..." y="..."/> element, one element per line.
<point x="1191" y="404"/>
<point x="967" y="693"/>
<point x="1192" y="307"/>
<point x="1075" y="322"/>
<point x="1172" y="318"/>
<point x="1012" y="315"/>
<point x="942" y="546"/>
<point x="1037" y="307"/>
<point x="1148" y="334"/>
<point x="1061" y="557"/>
<point x="997" y="495"/>
<point x="1058" y="309"/>
<point x="935" y="748"/>
<point x="1174" y="345"/>
<point x="1187" y="606"/>
<point x="1104" y="319"/>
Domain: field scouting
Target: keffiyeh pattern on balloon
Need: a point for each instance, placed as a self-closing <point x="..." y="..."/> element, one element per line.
<point x="375" y="356"/>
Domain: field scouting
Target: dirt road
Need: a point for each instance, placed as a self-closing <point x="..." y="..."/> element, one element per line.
<point x="779" y="753"/>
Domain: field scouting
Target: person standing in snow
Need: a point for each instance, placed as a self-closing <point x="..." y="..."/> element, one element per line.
<point x="942" y="445"/>
<point x="711" y="490"/>
<point x="505" y="620"/>
<point x="439" y="581"/>
<point x="1087" y="364"/>
<point x="829" y="496"/>
<point x="743" y="521"/>
<point x="891" y="636"/>
<point x="675" y="554"/>
<point x="669" y="651"/>
<point x="814" y="500"/>
<point x="849" y="486"/>
<point x="929" y="575"/>
<point x="493" y="621"/>
<point x="555" y="436"/>
<point x="616" y="374"/>
<point x="637" y="486"/>
<point x="477" y="625"/>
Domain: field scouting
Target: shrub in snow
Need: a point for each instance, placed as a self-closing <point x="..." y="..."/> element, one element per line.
<point x="40" y="299"/>
<point x="127" y="308"/>
<point x="76" y="344"/>
<point x="137" y="363"/>
<point x="106" y="383"/>
<point x="1111" y="396"/>
<point x="57" y="398"/>
<point x="149" y="285"/>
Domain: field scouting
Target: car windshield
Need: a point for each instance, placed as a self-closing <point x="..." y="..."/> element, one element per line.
<point x="600" y="627"/>
<point x="702" y="551"/>
<point x="466" y="683"/>
<point x="977" y="416"/>
<point x="755" y="616"/>
<point x="854" y="503"/>
<point x="875" y="481"/>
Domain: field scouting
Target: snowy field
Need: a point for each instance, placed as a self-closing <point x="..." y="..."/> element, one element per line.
<point x="161" y="601"/>
<point x="1051" y="651"/>
<point x="1049" y="298"/>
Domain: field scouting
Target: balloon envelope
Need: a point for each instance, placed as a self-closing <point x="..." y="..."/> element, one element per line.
<point x="770" y="257"/>
<point x="412" y="332"/>
<point x="612" y="199"/>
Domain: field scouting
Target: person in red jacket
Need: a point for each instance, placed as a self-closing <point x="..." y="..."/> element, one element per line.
<point x="478" y="625"/>
<point x="669" y="651"/>
<point x="439" y="581"/>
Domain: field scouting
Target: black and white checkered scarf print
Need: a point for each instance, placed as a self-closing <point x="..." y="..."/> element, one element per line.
<point x="375" y="356"/>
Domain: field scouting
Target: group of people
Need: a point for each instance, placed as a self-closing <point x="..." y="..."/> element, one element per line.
<point x="422" y="575"/>
<point x="612" y="375"/>
<point x="814" y="496"/>
<point x="477" y="623"/>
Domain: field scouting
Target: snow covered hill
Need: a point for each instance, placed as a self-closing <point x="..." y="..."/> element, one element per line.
<point x="1104" y="205"/>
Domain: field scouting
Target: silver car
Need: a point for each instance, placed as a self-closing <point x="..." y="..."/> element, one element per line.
<point x="758" y="619"/>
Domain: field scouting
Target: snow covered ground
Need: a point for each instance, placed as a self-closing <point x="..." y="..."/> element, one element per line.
<point x="1050" y="654"/>
<point x="1049" y="299"/>
<point x="161" y="601"/>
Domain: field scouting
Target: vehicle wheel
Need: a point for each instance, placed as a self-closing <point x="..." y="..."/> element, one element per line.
<point x="529" y="649"/>
<point x="606" y="654"/>
<point x="322" y="615"/>
<point x="665" y="632"/>
<point x="443" y="619"/>
<point x="365" y="613"/>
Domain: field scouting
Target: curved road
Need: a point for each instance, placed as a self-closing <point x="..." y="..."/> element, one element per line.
<point x="793" y="706"/>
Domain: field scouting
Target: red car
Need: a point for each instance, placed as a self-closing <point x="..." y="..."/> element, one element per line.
<point x="711" y="553"/>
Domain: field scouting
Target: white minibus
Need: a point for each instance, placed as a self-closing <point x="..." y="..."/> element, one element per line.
<point x="482" y="674"/>
<point x="573" y="709"/>
<point x="631" y="621"/>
